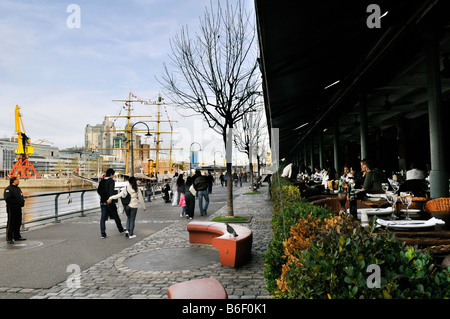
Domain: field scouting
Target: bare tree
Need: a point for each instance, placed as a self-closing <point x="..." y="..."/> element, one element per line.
<point x="215" y="72"/>
<point x="247" y="138"/>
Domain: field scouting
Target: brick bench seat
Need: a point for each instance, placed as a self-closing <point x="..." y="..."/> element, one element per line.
<point x="207" y="288"/>
<point x="234" y="251"/>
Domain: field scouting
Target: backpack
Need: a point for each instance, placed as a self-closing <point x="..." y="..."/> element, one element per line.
<point x="126" y="200"/>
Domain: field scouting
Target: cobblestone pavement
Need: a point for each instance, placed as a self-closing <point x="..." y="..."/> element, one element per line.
<point x="117" y="277"/>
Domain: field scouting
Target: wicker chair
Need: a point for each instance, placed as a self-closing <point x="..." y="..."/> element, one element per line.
<point x="317" y="197"/>
<point x="333" y="203"/>
<point x="359" y="204"/>
<point x="438" y="205"/>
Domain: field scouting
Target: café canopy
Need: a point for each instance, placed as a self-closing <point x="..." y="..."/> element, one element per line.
<point x="346" y="80"/>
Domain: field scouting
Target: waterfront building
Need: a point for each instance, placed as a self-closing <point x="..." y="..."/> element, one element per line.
<point x="101" y="136"/>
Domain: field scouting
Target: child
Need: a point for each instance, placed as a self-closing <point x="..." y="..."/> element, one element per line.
<point x="182" y="203"/>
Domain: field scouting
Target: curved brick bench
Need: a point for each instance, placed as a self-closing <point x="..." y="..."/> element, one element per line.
<point x="234" y="251"/>
<point x="208" y="288"/>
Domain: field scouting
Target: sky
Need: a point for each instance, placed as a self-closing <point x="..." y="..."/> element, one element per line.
<point x="65" y="66"/>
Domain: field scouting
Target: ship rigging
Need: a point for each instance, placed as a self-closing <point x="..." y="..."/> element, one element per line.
<point x="153" y="165"/>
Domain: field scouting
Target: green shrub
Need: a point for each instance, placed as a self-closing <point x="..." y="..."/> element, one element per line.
<point x="288" y="208"/>
<point x="334" y="264"/>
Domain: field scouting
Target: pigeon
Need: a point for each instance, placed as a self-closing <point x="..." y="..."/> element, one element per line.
<point x="231" y="230"/>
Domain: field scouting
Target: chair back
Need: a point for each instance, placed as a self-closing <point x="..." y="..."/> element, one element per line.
<point x="438" y="205"/>
<point x="333" y="203"/>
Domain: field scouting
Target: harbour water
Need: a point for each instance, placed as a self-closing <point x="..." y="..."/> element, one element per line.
<point x="46" y="202"/>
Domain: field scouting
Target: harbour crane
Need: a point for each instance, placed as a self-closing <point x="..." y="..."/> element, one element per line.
<point x="22" y="168"/>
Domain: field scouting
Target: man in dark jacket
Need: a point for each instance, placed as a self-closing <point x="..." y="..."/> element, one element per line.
<point x="105" y="190"/>
<point x="374" y="178"/>
<point x="210" y="180"/>
<point x="14" y="202"/>
<point x="201" y="186"/>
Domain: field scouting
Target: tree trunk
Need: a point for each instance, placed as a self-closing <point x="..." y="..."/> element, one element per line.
<point x="230" y="211"/>
<point x="250" y="165"/>
<point x="258" y="162"/>
<point x="228" y="141"/>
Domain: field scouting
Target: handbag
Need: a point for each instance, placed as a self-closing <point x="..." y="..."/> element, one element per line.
<point x="126" y="200"/>
<point x="192" y="190"/>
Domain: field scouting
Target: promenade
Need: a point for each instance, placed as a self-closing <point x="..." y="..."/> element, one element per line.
<point x="141" y="268"/>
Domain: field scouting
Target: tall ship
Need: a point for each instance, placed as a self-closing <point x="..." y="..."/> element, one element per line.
<point x="152" y="157"/>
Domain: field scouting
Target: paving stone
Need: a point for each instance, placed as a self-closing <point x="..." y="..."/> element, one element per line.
<point x="111" y="278"/>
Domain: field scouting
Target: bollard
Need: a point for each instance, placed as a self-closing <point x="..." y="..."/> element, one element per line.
<point x="56" y="208"/>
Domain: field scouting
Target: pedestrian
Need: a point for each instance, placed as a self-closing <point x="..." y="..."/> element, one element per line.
<point x="149" y="191"/>
<point x="174" y="191"/>
<point x="235" y="179"/>
<point x="106" y="190"/>
<point x="181" y="191"/>
<point x="221" y="177"/>
<point x="210" y="180"/>
<point x="132" y="207"/>
<point x="189" y="198"/>
<point x="225" y="177"/>
<point x="201" y="187"/>
<point x="165" y="190"/>
<point x="14" y="202"/>
<point x="182" y="203"/>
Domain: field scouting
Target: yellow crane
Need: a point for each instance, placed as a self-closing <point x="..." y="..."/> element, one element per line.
<point x="22" y="168"/>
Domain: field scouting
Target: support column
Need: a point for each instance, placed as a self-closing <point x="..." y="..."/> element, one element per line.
<point x="363" y="127"/>
<point x="336" y="143"/>
<point x="311" y="152"/>
<point x="304" y="155"/>
<point x="438" y="175"/>
<point x="321" y="148"/>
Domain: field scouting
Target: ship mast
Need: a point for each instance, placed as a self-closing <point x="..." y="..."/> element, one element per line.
<point x="158" y="132"/>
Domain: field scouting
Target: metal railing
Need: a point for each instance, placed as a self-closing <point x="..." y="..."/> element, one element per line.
<point x="53" y="206"/>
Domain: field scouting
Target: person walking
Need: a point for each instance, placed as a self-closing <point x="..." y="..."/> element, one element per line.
<point x="132" y="208"/>
<point x="189" y="198"/>
<point x="221" y="177"/>
<point x="14" y="202"/>
<point x="106" y="190"/>
<point x="201" y="186"/>
<point x="148" y="188"/>
<point x="173" y="188"/>
<point x="235" y="179"/>
<point x="181" y="191"/>
<point x="210" y="180"/>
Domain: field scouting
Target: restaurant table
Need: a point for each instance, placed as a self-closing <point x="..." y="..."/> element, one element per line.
<point x="435" y="240"/>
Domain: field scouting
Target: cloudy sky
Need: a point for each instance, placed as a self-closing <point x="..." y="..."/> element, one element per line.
<point x="64" y="77"/>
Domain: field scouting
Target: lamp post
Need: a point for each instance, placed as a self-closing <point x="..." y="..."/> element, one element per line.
<point x="132" y="140"/>
<point x="190" y="149"/>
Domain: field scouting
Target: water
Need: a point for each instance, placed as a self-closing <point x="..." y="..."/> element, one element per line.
<point x="44" y="206"/>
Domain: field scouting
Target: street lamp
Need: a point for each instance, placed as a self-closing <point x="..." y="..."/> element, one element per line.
<point x="132" y="139"/>
<point x="190" y="149"/>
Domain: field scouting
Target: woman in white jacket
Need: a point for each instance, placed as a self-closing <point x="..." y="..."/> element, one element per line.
<point x="132" y="207"/>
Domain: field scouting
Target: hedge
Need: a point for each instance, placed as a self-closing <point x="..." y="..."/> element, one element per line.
<point x="315" y="254"/>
